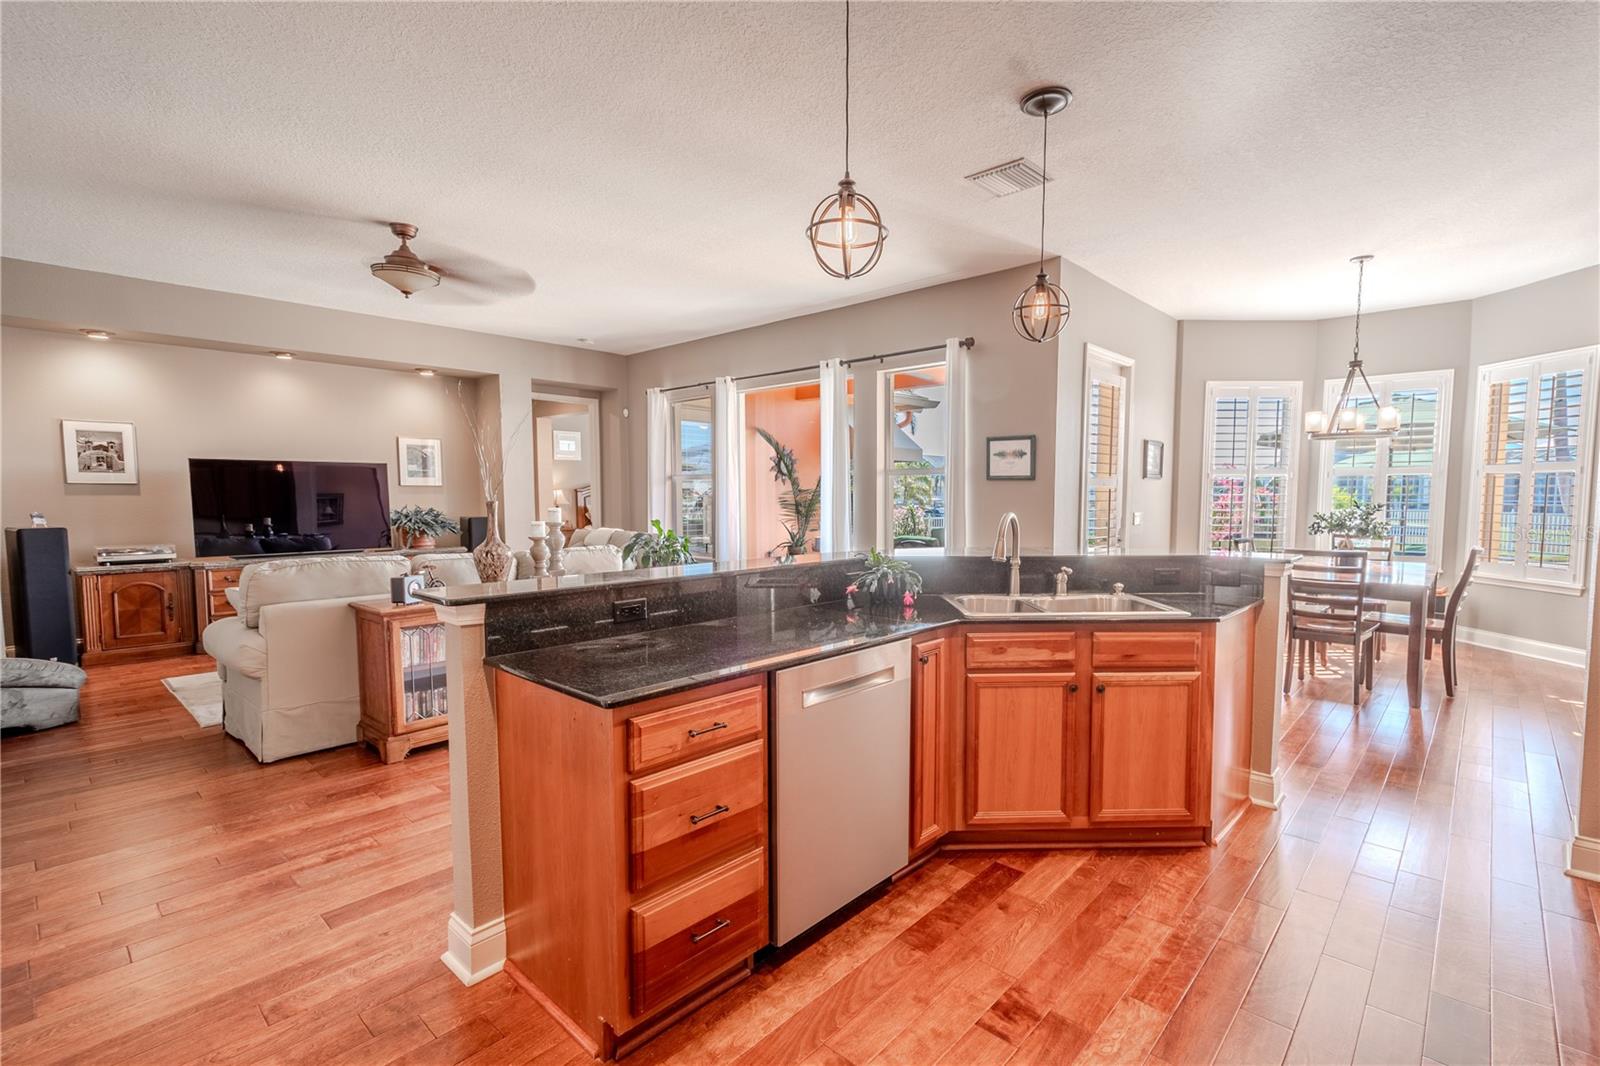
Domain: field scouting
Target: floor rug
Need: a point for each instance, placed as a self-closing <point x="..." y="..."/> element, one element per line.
<point x="200" y="694"/>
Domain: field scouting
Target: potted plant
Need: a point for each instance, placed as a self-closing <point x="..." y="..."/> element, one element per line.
<point x="419" y="527"/>
<point x="800" y="505"/>
<point x="658" y="546"/>
<point x="886" y="579"/>
<point x="1363" y="521"/>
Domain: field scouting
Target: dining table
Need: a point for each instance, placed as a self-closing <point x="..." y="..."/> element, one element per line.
<point x="1413" y="582"/>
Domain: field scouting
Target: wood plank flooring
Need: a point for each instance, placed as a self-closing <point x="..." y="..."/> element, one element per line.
<point x="164" y="899"/>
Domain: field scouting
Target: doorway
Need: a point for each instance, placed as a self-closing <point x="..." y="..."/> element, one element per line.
<point x="566" y="459"/>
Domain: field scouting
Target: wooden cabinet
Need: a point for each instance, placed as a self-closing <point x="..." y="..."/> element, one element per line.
<point x="138" y="614"/>
<point x="211" y="585"/>
<point x="1019" y="748"/>
<point x="1147" y="750"/>
<point x="400" y="667"/>
<point x="932" y="712"/>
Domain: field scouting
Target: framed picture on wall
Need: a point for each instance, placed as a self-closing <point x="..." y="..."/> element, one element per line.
<point x="567" y="444"/>
<point x="99" y="453"/>
<point x="1011" y="458"/>
<point x="421" y="461"/>
<point x="1154" y="459"/>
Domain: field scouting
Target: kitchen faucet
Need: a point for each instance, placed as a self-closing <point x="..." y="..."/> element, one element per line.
<point x="1008" y="548"/>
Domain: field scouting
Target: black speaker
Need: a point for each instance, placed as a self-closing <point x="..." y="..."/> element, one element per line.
<point x="474" y="531"/>
<point x="42" y="607"/>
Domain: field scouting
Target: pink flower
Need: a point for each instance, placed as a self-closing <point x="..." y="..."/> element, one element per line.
<point x="850" y="590"/>
<point x="908" y="599"/>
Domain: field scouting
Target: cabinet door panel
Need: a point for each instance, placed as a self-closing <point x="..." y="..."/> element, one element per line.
<point x="930" y="710"/>
<point x="1143" y="747"/>
<point x="1018" y="755"/>
<point x="139" y="609"/>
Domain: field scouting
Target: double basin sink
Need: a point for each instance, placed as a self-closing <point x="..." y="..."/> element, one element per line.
<point x="1068" y="605"/>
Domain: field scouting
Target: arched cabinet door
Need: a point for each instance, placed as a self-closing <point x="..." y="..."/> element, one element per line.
<point x="127" y="614"/>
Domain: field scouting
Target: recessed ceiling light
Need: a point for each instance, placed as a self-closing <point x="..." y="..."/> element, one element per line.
<point x="285" y="356"/>
<point x="424" y="371"/>
<point x="96" y="334"/>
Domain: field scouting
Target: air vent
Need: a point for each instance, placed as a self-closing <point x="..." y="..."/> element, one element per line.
<point x="1007" y="178"/>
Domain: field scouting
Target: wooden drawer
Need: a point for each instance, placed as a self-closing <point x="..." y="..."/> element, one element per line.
<point x="1151" y="648"/>
<point x="1002" y="651"/>
<point x="220" y="607"/>
<point x="683" y="938"/>
<point x="217" y="580"/>
<point x="666" y="737"/>
<point x="690" y="813"/>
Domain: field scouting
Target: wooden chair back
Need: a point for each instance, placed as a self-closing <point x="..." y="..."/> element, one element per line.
<point x="1459" y="592"/>
<point x="1330" y="604"/>
<point x="1379" y="549"/>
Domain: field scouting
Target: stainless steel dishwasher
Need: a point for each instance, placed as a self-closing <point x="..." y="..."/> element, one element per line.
<point x="841" y="780"/>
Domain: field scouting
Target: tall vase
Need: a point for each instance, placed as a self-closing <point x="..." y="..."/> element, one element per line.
<point x="493" y="556"/>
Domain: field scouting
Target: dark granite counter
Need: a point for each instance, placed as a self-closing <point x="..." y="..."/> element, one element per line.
<point x="656" y="662"/>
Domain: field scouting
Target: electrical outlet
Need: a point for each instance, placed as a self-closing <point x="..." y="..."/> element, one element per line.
<point x="630" y="610"/>
<point x="1164" y="579"/>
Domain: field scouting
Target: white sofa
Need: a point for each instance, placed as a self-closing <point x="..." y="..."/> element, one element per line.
<point x="290" y="681"/>
<point x="591" y="550"/>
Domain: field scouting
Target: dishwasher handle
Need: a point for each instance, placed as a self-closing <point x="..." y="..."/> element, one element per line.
<point x="848" y="687"/>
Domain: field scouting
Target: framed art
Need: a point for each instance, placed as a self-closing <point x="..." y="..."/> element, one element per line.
<point x="421" y="461"/>
<point x="1154" y="459"/>
<point x="99" y="453"/>
<point x="567" y="444"/>
<point x="1011" y="458"/>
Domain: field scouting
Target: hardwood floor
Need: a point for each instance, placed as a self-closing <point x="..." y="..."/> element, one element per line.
<point x="167" y="900"/>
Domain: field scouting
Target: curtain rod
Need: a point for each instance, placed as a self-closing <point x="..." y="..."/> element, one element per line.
<point x="965" y="342"/>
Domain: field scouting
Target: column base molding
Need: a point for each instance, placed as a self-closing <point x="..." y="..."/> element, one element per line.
<point x="475" y="954"/>
<point x="1266" y="790"/>
<point x="1583" y="858"/>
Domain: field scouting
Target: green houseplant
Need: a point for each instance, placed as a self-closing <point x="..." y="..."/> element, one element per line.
<point x="657" y="546"/>
<point x="800" y="505"/>
<point x="886" y="579"/>
<point x="1363" y="521"/>
<point x="419" y="527"/>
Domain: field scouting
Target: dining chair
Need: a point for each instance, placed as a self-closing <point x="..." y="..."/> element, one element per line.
<point x="1349" y="565"/>
<point x="1330" y="608"/>
<point x="1441" y="630"/>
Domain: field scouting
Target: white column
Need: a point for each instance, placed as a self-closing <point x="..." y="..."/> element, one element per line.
<point x="1583" y="854"/>
<point x="476" y="934"/>
<point x="1266" y="724"/>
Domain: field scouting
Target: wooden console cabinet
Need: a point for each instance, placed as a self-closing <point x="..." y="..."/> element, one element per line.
<point x="400" y="662"/>
<point x="211" y="584"/>
<point x="135" y="614"/>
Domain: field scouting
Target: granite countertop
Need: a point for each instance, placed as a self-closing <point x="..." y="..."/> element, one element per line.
<point x="621" y="670"/>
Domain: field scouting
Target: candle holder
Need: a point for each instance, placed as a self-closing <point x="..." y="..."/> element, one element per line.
<point x="539" y="551"/>
<point x="556" y="539"/>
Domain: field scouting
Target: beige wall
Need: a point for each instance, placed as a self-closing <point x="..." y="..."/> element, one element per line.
<point x="1016" y="386"/>
<point x="188" y="403"/>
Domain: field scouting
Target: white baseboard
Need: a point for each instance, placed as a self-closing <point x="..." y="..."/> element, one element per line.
<point x="1533" y="649"/>
<point x="475" y="954"/>
<point x="1583" y="858"/>
<point x="1266" y="790"/>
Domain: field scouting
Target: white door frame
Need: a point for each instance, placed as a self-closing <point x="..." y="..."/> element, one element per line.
<point x="596" y="494"/>
<point x="1091" y="352"/>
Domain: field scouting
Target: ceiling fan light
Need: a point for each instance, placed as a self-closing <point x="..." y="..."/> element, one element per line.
<point x="1041" y="310"/>
<point x="846" y="232"/>
<point x="407" y="277"/>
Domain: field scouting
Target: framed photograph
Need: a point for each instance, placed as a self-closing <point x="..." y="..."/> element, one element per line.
<point x="330" y="509"/>
<point x="568" y="444"/>
<point x="1011" y="458"/>
<point x="1154" y="459"/>
<point x="421" y="461"/>
<point x="100" y="453"/>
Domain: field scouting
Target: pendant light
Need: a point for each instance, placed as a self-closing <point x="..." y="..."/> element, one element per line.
<point x="846" y="231"/>
<point x="1043" y="307"/>
<point x="1347" y="421"/>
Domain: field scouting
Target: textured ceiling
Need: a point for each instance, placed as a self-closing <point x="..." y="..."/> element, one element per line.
<point x="640" y="173"/>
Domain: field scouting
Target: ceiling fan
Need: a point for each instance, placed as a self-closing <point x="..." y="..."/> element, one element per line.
<point x="473" y="279"/>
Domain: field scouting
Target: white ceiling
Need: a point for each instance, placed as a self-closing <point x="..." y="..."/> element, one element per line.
<point x="651" y="166"/>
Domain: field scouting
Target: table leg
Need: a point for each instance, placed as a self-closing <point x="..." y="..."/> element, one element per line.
<point x="1416" y="637"/>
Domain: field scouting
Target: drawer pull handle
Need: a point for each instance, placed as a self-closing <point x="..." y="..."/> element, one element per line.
<point x="721" y="808"/>
<point x="721" y="924"/>
<point x="712" y="728"/>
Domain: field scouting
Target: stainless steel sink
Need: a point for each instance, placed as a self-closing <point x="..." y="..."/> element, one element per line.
<point x="1070" y="605"/>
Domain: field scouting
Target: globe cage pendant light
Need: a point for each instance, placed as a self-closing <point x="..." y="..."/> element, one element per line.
<point x="1043" y="307"/>
<point x="1347" y="421"/>
<point x="846" y="230"/>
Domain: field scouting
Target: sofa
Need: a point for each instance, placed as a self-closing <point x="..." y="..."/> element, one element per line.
<point x="38" y="694"/>
<point x="290" y="681"/>
<point x="590" y="550"/>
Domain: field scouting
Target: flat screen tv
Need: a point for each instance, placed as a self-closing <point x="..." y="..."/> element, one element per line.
<point x="267" y="506"/>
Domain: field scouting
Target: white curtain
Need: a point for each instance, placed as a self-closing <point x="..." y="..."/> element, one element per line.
<point x="727" y="415"/>
<point x="833" y="522"/>
<point x="955" y="460"/>
<point x="658" y="454"/>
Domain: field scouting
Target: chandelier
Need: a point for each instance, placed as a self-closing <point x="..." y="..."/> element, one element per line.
<point x="1347" y="420"/>
<point x="1043" y="307"/>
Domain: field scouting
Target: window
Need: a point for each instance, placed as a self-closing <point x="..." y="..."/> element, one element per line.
<point x="1532" y="454"/>
<point x="1405" y="473"/>
<point x="1251" y="436"/>
<point x="690" y="496"/>
<point x="1108" y="378"/>
<point x="916" y="410"/>
<point x="782" y="469"/>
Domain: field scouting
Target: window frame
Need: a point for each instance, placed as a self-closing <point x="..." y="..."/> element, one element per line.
<point x="1384" y="386"/>
<point x="676" y="475"/>
<point x="1253" y="391"/>
<point x="1516" y="574"/>
<point x="1124" y="366"/>
<point x="888" y="474"/>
